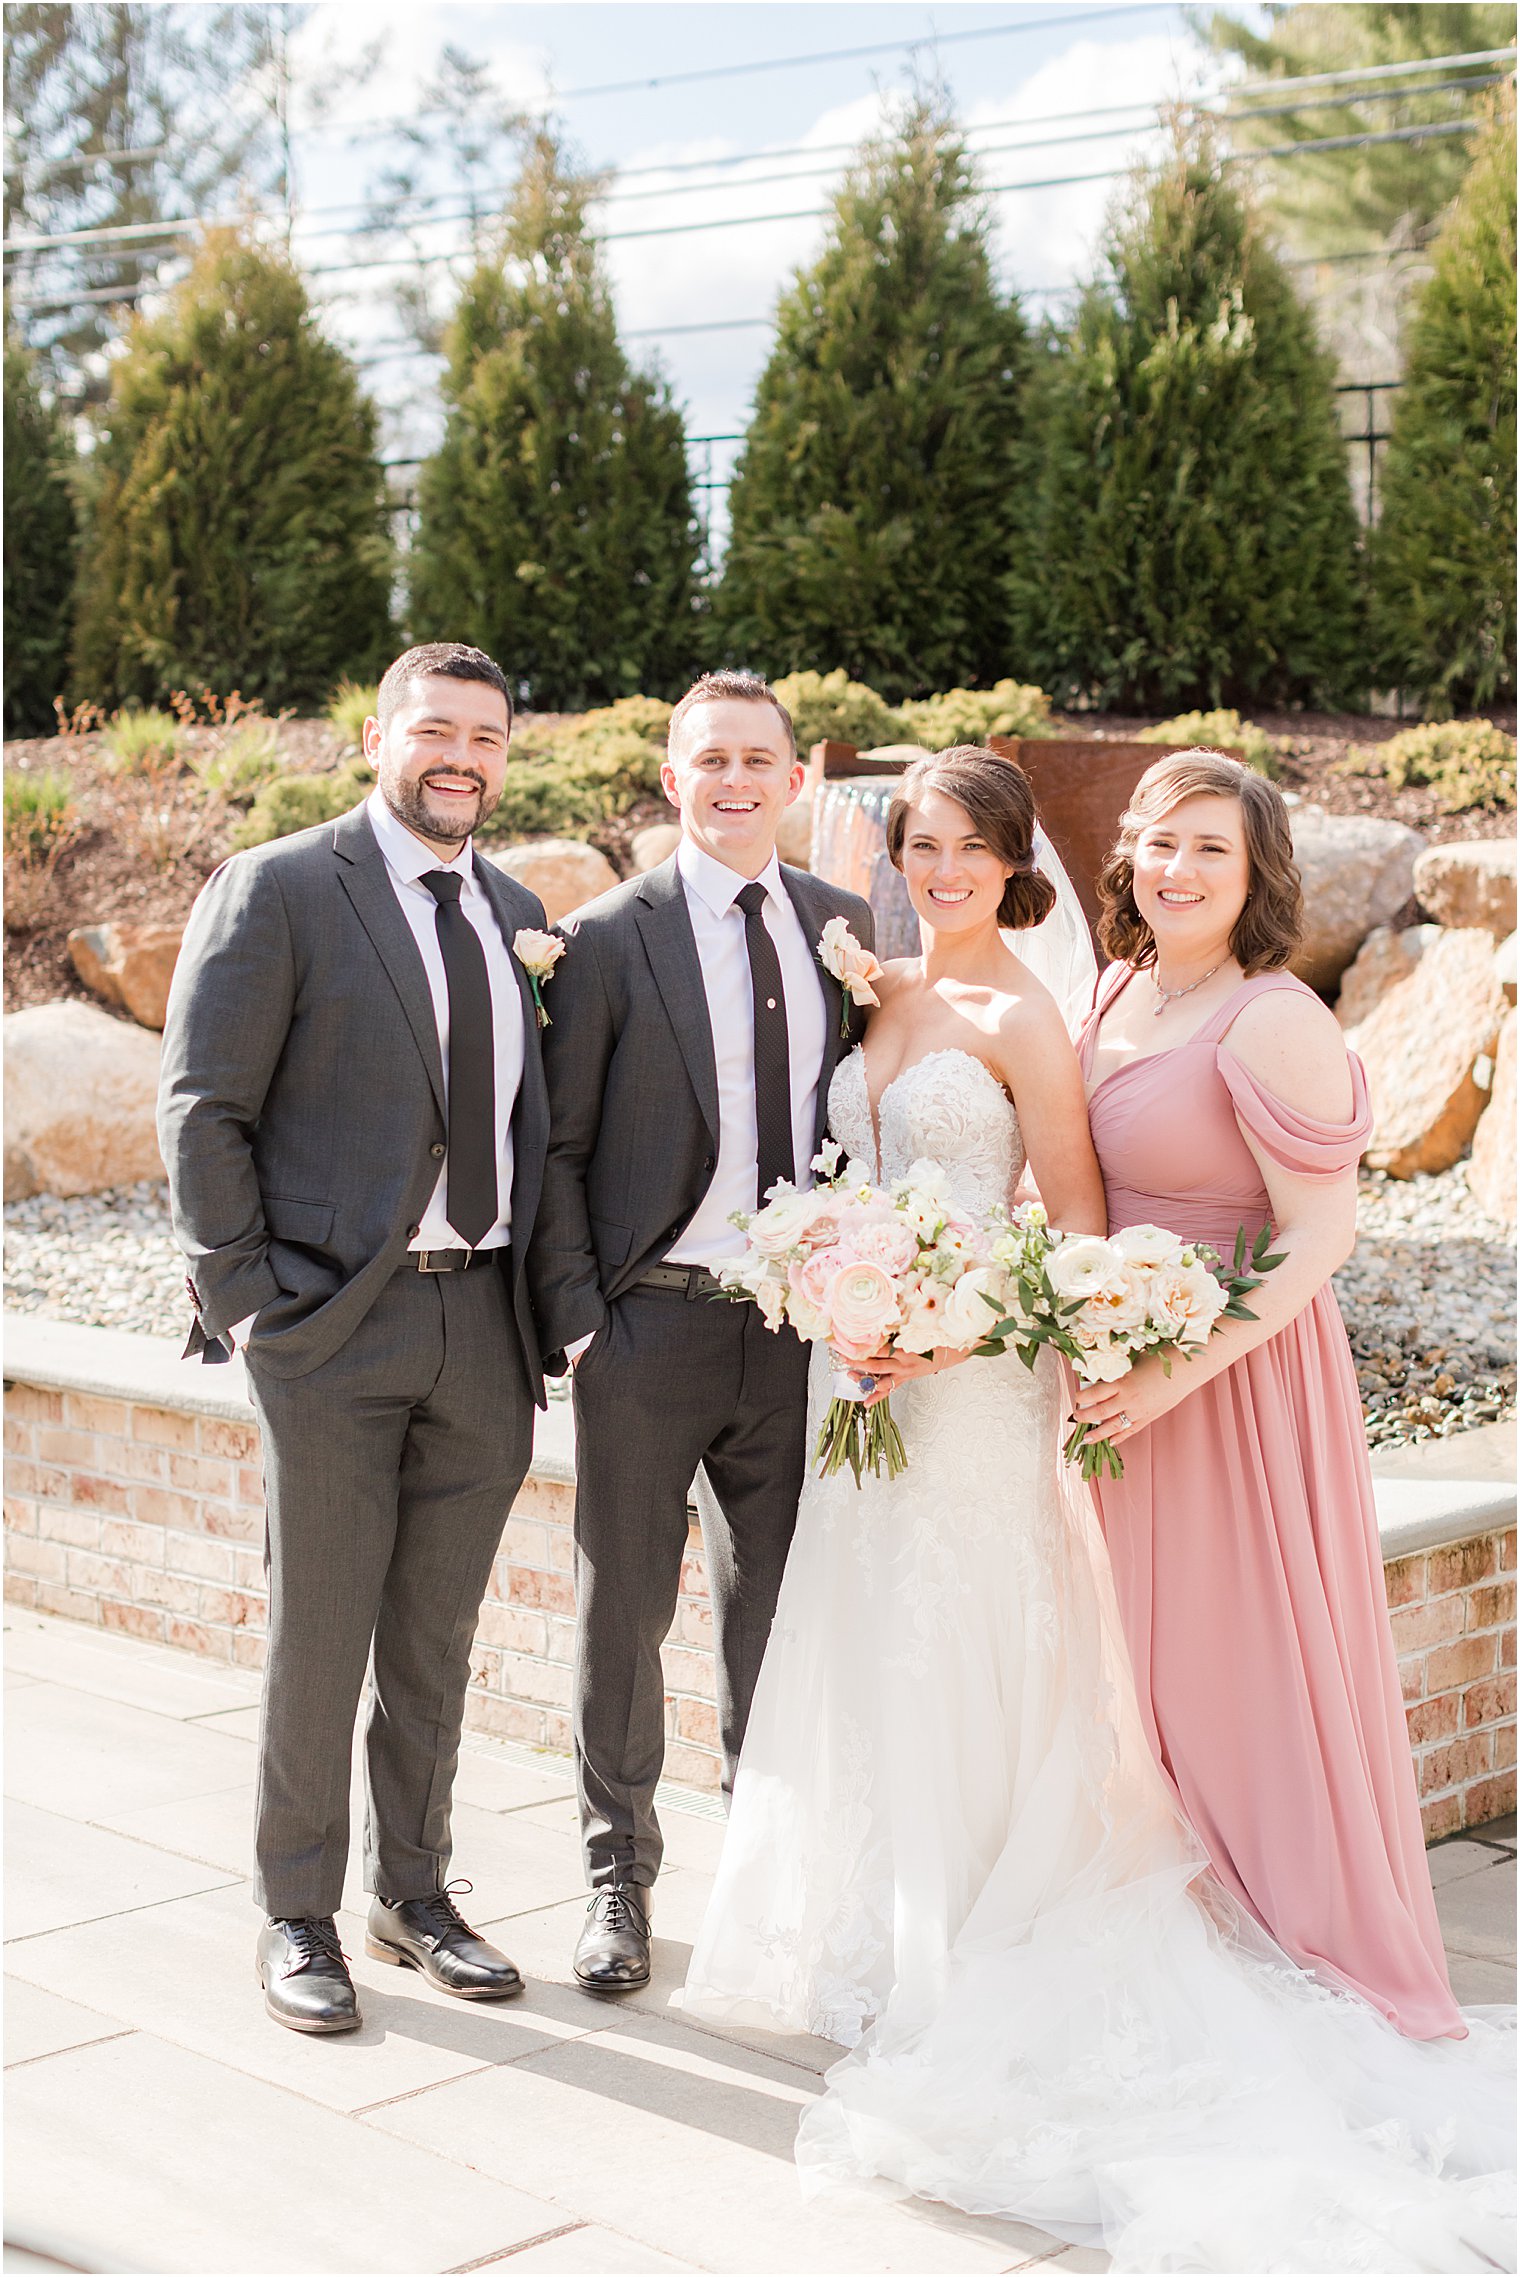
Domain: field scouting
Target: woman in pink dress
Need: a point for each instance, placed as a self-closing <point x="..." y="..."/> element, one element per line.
<point x="1243" y="1533"/>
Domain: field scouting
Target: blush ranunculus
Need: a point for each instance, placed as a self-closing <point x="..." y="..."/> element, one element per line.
<point x="863" y="1306"/>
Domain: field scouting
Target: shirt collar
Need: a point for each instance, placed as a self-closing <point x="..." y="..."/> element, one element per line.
<point x="715" y="884"/>
<point x="406" y="857"/>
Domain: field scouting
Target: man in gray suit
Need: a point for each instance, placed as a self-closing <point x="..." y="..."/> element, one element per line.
<point x="354" y="1119"/>
<point x="695" y="1034"/>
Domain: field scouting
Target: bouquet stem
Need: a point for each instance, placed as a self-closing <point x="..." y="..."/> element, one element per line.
<point x="864" y="1437"/>
<point x="1095" y="1455"/>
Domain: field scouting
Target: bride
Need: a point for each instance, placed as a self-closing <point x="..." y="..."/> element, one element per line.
<point x="950" y="1850"/>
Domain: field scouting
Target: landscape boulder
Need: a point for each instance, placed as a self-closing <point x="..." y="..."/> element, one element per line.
<point x="80" y="1090"/>
<point x="128" y="965"/>
<point x="1491" y="1171"/>
<point x="1421" y="1045"/>
<point x="1384" y="958"/>
<point x="1358" y="872"/>
<point x="654" y="844"/>
<point x="794" y="839"/>
<point x="1469" y="884"/>
<point x="563" y="872"/>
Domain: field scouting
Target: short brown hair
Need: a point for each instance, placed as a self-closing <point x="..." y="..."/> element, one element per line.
<point x="730" y="687"/>
<point x="438" y="660"/>
<point x="1270" y="926"/>
<point x="995" y="793"/>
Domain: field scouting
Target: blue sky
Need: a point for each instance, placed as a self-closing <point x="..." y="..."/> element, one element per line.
<point x="1073" y="96"/>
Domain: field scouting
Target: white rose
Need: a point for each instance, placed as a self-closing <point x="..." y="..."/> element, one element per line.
<point x="1187" y="1300"/>
<point x="1123" y="1305"/>
<point x="968" y="1316"/>
<point x="1147" y="1246"/>
<point x="1102" y="1363"/>
<point x="1082" y="1265"/>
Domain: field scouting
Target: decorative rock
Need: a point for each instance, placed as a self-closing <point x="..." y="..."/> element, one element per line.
<point x="563" y="872"/>
<point x="794" y="840"/>
<point x="653" y="845"/>
<point x="1469" y="884"/>
<point x="129" y="965"/>
<point x="1504" y="966"/>
<point x="1358" y="872"/>
<point x="890" y="755"/>
<point x="1384" y="958"/>
<point x="1491" y="1171"/>
<point x="80" y="1090"/>
<point x="1420" y="1045"/>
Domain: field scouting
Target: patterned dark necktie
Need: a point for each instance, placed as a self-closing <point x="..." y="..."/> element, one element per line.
<point x="472" y="1065"/>
<point x="773" y="1069"/>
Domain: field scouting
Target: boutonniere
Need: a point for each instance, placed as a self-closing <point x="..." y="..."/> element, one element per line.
<point x="843" y="958"/>
<point x="538" y="954"/>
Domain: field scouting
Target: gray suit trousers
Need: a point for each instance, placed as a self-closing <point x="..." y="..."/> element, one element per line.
<point x="389" y="1471"/>
<point x="671" y="1383"/>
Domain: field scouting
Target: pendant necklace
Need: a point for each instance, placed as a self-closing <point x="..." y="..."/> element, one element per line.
<point x="1171" y="995"/>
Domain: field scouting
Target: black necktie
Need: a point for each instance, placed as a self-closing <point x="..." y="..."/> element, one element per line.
<point x="472" y="1065"/>
<point x="773" y="1069"/>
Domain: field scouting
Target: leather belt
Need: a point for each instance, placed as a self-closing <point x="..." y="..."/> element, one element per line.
<point x="691" y="1280"/>
<point x="452" y="1260"/>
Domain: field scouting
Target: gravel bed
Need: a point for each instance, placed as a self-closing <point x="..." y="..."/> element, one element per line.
<point x="1428" y="1296"/>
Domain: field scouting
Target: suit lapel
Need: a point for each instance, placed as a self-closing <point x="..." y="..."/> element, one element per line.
<point x="530" y="1119"/>
<point x="670" y="945"/>
<point x="367" y="882"/>
<point x="813" y="911"/>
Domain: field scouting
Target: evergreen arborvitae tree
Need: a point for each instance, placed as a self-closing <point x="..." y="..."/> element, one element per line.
<point x="555" y="525"/>
<point x="39" y="548"/>
<point x="238" y="534"/>
<point x="870" y="505"/>
<point x="1443" y="554"/>
<point x="1187" y="536"/>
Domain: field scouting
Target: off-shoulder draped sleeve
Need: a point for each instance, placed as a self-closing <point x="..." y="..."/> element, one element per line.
<point x="1299" y="1142"/>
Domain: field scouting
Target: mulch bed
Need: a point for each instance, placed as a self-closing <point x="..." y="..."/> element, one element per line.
<point x="148" y="846"/>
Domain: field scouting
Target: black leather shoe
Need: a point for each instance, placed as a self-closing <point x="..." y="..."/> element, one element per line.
<point x="305" y="1977"/>
<point x="613" y="1952"/>
<point x="430" y="1934"/>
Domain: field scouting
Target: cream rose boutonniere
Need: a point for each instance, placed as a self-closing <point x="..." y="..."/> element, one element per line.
<point x="855" y="969"/>
<point x="538" y="954"/>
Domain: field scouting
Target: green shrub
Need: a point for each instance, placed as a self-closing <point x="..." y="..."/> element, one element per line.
<point x="39" y="548"/>
<point x="139" y="739"/>
<point x="970" y="715"/>
<point x="594" y="767"/>
<point x="243" y="760"/>
<point x="1184" y="527"/>
<point x="237" y="527"/>
<point x="1224" y="730"/>
<point x="1468" y="763"/>
<point x="555" y="522"/>
<point x="39" y="810"/>
<point x="298" y="802"/>
<point x="1443" y="553"/>
<point x="870" y="505"/>
<point x="351" y="703"/>
<point x="831" y="707"/>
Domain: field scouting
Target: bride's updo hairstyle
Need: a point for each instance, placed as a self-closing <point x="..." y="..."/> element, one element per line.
<point x="996" y="795"/>
<point x="1270" y="926"/>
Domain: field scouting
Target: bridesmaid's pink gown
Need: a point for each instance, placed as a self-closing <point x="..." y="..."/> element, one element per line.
<point x="1245" y="1552"/>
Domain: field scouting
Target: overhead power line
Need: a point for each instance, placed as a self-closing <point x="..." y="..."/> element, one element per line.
<point x="1373" y="71"/>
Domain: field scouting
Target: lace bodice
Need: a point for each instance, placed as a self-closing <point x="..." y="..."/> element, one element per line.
<point x="948" y="1108"/>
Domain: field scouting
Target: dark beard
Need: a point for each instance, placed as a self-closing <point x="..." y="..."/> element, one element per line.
<point x="405" y="800"/>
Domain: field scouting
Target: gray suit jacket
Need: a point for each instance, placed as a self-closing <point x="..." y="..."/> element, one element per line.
<point x="633" y="1091"/>
<point x="301" y="1106"/>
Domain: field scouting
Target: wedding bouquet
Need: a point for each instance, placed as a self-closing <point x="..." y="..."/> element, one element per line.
<point x="870" y="1269"/>
<point x="1105" y="1302"/>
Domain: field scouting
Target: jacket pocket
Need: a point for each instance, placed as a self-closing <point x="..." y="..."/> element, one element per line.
<point x="612" y="1241"/>
<point x="307" y="1223"/>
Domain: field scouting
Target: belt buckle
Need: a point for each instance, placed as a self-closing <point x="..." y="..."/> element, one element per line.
<point x="425" y="1261"/>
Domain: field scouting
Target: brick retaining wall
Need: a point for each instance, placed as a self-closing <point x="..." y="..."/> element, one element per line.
<point x="139" y="1517"/>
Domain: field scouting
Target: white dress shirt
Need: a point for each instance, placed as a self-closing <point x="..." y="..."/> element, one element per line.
<point x="711" y="890"/>
<point x="407" y="860"/>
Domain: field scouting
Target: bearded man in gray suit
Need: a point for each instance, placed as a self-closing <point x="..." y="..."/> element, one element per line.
<point x="694" y="1036"/>
<point x="354" y="1119"/>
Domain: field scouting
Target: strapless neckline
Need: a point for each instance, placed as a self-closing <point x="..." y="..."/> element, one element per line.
<point x="945" y="1051"/>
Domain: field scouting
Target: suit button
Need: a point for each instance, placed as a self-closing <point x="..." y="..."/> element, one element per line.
<point x="412" y="1232"/>
<point x="436" y="1150"/>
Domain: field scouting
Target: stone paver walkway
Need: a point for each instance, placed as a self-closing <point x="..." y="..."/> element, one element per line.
<point x="158" y="2121"/>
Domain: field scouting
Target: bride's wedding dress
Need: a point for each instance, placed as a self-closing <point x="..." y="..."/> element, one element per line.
<point x="951" y="1852"/>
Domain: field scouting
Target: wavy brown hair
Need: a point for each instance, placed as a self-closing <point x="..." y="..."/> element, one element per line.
<point x="1271" y="925"/>
<point x="995" y="793"/>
